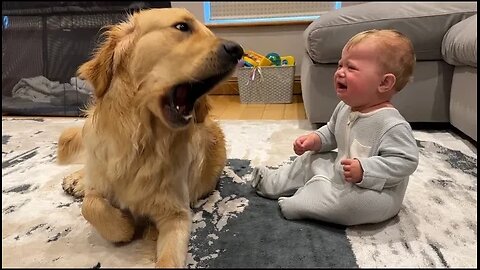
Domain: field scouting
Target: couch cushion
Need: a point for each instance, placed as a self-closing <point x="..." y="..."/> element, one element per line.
<point x="459" y="46"/>
<point x="424" y="23"/>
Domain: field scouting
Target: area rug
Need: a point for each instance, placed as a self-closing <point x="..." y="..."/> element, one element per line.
<point x="234" y="227"/>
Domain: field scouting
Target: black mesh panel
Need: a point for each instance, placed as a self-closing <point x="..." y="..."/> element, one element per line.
<point x="22" y="50"/>
<point x="71" y="40"/>
<point x="44" y="43"/>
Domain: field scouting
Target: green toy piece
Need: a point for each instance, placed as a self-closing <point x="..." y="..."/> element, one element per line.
<point x="274" y="58"/>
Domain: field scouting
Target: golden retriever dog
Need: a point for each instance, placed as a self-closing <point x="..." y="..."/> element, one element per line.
<point x="149" y="146"/>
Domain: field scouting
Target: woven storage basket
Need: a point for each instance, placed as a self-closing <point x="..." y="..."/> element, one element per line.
<point x="269" y="84"/>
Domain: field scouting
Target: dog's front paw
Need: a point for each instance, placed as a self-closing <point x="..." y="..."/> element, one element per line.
<point x="168" y="263"/>
<point x="73" y="184"/>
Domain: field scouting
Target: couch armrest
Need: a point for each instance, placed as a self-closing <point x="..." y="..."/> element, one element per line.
<point x="424" y="23"/>
<point x="459" y="46"/>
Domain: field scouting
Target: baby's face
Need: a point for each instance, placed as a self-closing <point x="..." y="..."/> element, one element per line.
<point x="359" y="75"/>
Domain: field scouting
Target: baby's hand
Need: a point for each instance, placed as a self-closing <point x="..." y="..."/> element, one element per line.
<point x="352" y="171"/>
<point x="306" y="143"/>
<point x="298" y="145"/>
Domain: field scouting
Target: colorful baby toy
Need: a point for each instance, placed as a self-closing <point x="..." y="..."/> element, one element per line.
<point x="254" y="59"/>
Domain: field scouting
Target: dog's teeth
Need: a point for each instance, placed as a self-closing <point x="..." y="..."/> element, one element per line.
<point x="187" y="117"/>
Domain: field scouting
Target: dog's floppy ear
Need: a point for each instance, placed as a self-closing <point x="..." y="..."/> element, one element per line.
<point x="101" y="67"/>
<point x="201" y="109"/>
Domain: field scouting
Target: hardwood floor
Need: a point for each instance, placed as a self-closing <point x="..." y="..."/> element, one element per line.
<point x="228" y="107"/>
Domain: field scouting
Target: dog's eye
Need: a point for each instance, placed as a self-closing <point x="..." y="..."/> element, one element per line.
<point x="182" y="27"/>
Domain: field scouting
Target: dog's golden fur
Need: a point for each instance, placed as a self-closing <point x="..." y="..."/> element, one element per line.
<point x="144" y="156"/>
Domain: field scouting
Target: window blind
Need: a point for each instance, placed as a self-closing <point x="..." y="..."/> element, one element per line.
<point x="260" y="10"/>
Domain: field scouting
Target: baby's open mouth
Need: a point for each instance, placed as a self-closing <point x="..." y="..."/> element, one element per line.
<point x="341" y="86"/>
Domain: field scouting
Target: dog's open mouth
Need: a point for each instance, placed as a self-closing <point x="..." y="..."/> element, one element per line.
<point x="178" y="104"/>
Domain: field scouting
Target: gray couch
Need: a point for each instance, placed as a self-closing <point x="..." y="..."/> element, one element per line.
<point x="444" y="36"/>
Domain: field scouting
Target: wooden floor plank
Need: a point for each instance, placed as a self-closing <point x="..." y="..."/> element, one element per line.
<point x="229" y="107"/>
<point x="274" y="112"/>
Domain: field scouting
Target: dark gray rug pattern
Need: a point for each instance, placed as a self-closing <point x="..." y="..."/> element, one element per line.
<point x="261" y="237"/>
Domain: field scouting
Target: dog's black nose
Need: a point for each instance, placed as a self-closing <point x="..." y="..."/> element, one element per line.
<point x="233" y="49"/>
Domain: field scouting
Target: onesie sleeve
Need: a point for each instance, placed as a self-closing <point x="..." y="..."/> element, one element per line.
<point x="327" y="132"/>
<point x="397" y="158"/>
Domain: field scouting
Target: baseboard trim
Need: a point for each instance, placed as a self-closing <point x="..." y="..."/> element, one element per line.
<point x="230" y="87"/>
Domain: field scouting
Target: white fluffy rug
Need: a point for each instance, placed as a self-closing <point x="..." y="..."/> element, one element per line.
<point x="43" y="227"/>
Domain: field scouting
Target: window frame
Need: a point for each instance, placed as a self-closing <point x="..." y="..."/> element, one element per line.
<point x="249" y="21"/>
